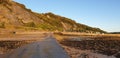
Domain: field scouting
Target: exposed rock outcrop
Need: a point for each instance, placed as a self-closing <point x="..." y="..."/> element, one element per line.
<point x="5" y="0"/>
<point x="17" y="16"/>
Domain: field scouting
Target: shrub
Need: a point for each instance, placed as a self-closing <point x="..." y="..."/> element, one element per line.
<point x="30" y="24"/>
<point x="2" y="25"/>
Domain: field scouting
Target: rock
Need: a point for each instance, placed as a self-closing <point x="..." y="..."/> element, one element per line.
<point x="5" y="1"/>
<point x="83" y="55"/>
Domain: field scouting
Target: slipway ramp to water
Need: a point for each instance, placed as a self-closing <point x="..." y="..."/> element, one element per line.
<point x="48" y="47"/>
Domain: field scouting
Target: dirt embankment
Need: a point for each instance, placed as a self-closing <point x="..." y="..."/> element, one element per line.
<point x="9" y="45"/>
<point x="9" y="42"/>
<point x="105" y="45"/>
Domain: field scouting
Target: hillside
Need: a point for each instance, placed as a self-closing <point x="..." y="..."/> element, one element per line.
<point x="16" y="16"/>
<point x="114" y="32"/>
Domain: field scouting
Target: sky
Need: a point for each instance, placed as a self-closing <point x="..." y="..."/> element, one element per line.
<point x="103" y="14"/>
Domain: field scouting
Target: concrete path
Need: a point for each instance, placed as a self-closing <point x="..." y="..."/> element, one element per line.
<point x="45" y="48"/>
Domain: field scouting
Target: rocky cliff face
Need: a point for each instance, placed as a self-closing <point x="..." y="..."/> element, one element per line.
<point x="17" y="16"/>
<point x="5" y="1"/>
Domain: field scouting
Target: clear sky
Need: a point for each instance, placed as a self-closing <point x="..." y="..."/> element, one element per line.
<point x="104" y="14"/>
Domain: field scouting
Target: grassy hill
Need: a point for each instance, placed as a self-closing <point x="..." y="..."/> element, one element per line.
<point x="16" y="16"/>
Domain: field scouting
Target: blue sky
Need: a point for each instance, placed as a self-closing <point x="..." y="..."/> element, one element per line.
<point x="104" y="14"/>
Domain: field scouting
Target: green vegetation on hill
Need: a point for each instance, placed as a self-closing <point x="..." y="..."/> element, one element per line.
<point x="56" y="22"/>
<point x="18" y="16"/>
